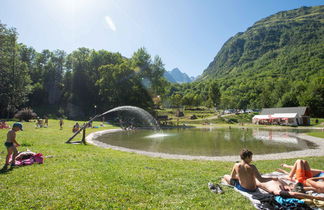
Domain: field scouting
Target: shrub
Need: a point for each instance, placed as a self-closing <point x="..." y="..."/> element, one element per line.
<point x="231" y="120"/>
<point x="25" y="114"/>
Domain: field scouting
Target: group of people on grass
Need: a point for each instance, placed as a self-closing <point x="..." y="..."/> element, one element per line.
<point x="40" y="123"/>
<point x="246" y="177"/>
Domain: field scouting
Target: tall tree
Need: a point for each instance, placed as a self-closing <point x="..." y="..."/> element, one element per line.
<point x="14" y="78"/>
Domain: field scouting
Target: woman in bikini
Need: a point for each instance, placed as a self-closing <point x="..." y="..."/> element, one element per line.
<point x="302" y="173"/>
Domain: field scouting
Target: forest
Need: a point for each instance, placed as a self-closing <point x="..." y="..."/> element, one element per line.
<point x="278" y="62"/>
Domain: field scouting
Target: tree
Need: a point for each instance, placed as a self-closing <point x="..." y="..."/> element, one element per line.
<point x="214" y="93"/>
<point x="149" y="73"/>
<point x="14" y="77"/>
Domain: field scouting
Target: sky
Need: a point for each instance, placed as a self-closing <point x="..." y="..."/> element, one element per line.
<point x="186" y="34"/>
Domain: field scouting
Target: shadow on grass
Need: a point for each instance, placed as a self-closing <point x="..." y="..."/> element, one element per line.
<point x="6" y="170"/>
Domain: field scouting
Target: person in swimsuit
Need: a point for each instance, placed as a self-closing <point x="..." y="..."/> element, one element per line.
<point x="284" y="190"/>
<point x="11" y="144"/>
<point x="301" y="171"/>
<point x="244" y="174"/>
<point x="309" y="177"/>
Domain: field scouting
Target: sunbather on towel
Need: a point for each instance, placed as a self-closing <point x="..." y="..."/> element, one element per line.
<point x="282" y="189"/>
<point x="301" y="170"/>
<point x="302" y="173"/>
<point x="244" y="174"/>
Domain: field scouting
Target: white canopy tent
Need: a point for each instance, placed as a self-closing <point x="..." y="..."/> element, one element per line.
<point x="277" y="118"/>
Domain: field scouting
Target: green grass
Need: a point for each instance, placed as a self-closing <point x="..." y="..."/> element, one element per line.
<point x="318" y="122"/>
<point x="317" y="134"/>
<point x="88" y="177"/>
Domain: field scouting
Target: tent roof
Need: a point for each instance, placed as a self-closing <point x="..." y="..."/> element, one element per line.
<point x="261" y="117"/>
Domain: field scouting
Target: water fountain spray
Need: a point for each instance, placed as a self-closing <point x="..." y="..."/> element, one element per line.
<point x="139" y="111"/>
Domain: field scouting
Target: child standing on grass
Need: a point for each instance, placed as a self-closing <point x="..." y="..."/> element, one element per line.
<point x="11" y="143"/>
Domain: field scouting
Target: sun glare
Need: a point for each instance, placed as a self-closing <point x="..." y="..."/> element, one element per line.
<point x="71" y="6"/>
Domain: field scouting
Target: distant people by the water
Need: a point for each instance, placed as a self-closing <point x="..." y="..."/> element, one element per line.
<point x="39" y="123"/>
<point x="61" y="123"/>
<point x="11" y="144"/>
<point x="76" y="128"/>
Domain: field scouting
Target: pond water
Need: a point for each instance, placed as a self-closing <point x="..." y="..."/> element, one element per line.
<point x="209" y="142"/>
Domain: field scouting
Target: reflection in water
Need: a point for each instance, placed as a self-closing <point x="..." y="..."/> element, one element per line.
<point x="158" y="135"/>
<point x="208" y="142"/>
<point x="271" y="136"/>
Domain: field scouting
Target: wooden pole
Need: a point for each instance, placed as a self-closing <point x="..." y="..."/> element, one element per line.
<point x="83" y="137"/>
<point x="82" y="128"/>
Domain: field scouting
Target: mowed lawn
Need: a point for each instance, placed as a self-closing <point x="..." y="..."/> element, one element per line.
<point x="88" y="177"/>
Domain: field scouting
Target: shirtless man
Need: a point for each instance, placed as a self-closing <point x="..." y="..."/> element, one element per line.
<point x="11" y="144"/>
<point x="244" y="174"/>
<point x="282" y="189"/>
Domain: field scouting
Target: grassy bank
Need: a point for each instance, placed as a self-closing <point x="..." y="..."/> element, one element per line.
<point x="88" y="177"/>
<point x="317" y="134"/>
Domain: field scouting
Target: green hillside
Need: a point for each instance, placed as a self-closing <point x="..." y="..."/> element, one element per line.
<point x="278" y="62"/>
<point x="288" y="43"/>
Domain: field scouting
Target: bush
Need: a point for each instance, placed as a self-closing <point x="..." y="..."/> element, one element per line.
<point x="231" y="120"/>
<point x="25" y="114"/>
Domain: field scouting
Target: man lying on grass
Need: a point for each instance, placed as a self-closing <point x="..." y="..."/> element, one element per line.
<point x="284" y="190"/>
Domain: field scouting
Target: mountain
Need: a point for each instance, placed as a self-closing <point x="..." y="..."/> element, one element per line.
<point x="289" y="43"/>
<point x="176" y="76"/>
<point x="169" y="77"/>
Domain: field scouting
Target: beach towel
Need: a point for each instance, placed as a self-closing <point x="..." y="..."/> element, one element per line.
<point x="29" y="158"/>
<point x="260" y="194"/>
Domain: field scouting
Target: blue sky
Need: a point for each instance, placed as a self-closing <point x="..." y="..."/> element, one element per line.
<point x="185" y="33"/>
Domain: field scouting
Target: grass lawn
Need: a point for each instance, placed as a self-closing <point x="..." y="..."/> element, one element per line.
<point x="319" y="134"/>
<point x="88" y="177"/>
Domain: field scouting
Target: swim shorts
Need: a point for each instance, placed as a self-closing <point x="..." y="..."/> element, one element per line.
<point x="8" y="144"/>
<point x="239" y="187"/>
<point x="320" y="174"/>
<point x="302" y="175"/>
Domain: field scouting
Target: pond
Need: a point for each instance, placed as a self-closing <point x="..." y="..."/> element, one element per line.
<point x="209" y="142"/>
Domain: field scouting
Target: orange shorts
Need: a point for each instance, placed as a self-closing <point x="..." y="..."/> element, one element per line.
<point x="302" y="175"/>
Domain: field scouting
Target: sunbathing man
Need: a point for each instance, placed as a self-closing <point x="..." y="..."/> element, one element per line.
<point x="244" y="174"/>
<point x="282" y="189"/>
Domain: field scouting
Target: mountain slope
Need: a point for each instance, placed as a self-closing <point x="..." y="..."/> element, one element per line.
<point x="176" y="76"/>
<point x="287" y="43"/>
<point x="169" y="77"/>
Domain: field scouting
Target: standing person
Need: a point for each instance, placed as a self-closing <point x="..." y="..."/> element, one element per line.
<point x="46" y="122"/>
<point x="61" y="123"/>
<point x="11" y="144"/>
<point x="244" y="174"/>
